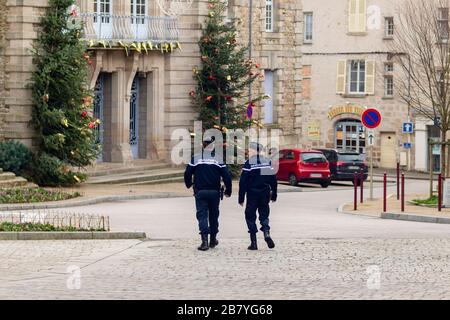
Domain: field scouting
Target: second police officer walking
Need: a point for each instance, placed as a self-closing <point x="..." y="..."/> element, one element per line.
<point x="259" y="183"/>
<point x="207" y="172"/>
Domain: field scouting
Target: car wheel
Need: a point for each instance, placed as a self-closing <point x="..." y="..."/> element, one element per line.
<point x="325" y="184"/>
<point x="293" y="180"/>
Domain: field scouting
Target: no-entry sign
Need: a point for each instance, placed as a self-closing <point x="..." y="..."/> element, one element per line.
<point x="371" y="118"/>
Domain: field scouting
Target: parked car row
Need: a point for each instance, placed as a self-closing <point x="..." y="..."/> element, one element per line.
<point x="320" y="166"/>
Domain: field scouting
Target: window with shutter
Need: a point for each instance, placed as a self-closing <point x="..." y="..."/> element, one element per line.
<point x="341" y="76"/>
<point x="362" y="16"/>
<point x="357" y="16"/>
<point x="352" y="15"/>
<point x="370" y="77"/>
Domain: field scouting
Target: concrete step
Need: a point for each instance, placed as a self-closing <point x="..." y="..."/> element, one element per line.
<point x="16" y="182"/>
<point x="135" y="177"/>
<point x="102" y="171"/>
<point x="153" y="182"/>
<point x="7" y="176"/>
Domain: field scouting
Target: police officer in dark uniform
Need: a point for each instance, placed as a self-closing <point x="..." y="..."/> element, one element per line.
<point x="258" y="181"/>
<point x="207" y="172"/>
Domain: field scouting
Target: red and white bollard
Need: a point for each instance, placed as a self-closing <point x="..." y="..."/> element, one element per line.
<point x="384" y="192"/>
<point x="361" y="179"/>
<point x="440" y="192"/>
<point x="403" y="193"/>
<point x="355" y="191"/>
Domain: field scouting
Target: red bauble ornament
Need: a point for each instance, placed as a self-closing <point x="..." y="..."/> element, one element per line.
<point x="211" y="77"/>
<point x="92" y="125"/>
<point x="84" y="114"/>
<point x="229" y="98"/>
<point x="208" y="98"/>
<point x="192" y="93"/>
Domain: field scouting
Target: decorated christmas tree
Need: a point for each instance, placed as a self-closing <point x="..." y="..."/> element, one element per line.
<point x="62" y="111"/>
<point x="225" y="75"/>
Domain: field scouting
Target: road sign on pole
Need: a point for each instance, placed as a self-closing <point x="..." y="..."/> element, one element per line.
<point x="407" y="145"/>
<point x="370" y="138"/>
<point x="371" y="118"/>
<point x="408" y="127"/>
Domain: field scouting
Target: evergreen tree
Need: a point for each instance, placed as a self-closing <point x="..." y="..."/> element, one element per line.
<point x="225" y="74"/>
<point x="62" y="111"/>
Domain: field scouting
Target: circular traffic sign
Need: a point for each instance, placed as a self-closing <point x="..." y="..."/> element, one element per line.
<point x="371" y="118"/>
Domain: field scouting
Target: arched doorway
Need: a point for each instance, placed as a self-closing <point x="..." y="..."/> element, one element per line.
<point x="99" y="100"/>
<point x="134" y="118"/>
<point x="350" y="135"/>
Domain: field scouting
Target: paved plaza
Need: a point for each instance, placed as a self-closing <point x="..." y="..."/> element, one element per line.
<point x="320" y="254"/>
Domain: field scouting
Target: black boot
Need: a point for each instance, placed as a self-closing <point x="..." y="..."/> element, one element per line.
<point x="253" y="244"/>
<point x="213" y="242"/>
<point x="204" y="246"/>
<point x="269" y="240"/>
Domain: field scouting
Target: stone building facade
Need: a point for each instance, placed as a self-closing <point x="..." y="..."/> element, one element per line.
<point x="346" y="69"/>
<point x="141" y="95"/>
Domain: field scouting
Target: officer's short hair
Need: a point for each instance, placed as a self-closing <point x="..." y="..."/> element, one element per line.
<point x="256" y="146"/>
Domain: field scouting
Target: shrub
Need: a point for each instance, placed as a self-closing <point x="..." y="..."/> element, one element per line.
<point x="41" y="227"/>
<point x="14" y="156"/>
<point x="32" y="195"/>
<point x="48" y="170"/>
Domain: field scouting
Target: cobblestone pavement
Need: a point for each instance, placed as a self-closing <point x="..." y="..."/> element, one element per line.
<point x="174" y="269"/>
<point x="320" y="254"/>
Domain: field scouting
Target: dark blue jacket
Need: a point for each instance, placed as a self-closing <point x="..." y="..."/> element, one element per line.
<point x="258" y="176"/>
<point x="207" y="172"/>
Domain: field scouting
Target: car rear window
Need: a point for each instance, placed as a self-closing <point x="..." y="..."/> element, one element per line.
<point x="350" y="157"/>
<point x="313" y="157"/>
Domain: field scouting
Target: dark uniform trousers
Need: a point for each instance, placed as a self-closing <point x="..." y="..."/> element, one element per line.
<point x="257" y="201"/>
<point x="207" y="204"/>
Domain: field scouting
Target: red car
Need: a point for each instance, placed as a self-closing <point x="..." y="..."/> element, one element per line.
<point x="296" y="165"/>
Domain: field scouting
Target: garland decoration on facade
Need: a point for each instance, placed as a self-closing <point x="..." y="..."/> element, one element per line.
<point x="140" y="47"/>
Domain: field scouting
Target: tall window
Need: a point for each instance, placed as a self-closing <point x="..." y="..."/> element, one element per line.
<point x="357" y="76"/>
<point x="388" y="67"/>
<point x="388" y="86"/>
<point x="269" y="15"/>
<point x="443" y="24"/>
<point x="138" y="8"/>
<point x="357" y="16"/>
<point x="308" y="26"/>
<point x="389" y="26"/>
<point x="102" y="8"/>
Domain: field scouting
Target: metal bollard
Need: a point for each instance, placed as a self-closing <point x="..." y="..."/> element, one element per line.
<point x="440" y="192"/>
<point x="355" y="185"/>
<point x="362" y="185"/>
<point x="403" y="192"/>
<point x="384" y="192"/>
<point x="398" y="180"/>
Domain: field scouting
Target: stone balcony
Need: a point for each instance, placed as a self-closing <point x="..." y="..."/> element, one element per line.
<point x="114" y="28"/>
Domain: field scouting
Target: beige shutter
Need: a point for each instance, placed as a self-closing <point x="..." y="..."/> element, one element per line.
<point x="341" y="76"/>
<point x="352" y="16"/>
<point x="357" y="16"/>
<point x="370" y="77"/>
<point x="362" y="16"/>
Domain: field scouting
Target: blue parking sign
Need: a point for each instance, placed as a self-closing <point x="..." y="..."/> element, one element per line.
<point x="407" y="145"/>
<point x="408" y="127"/>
